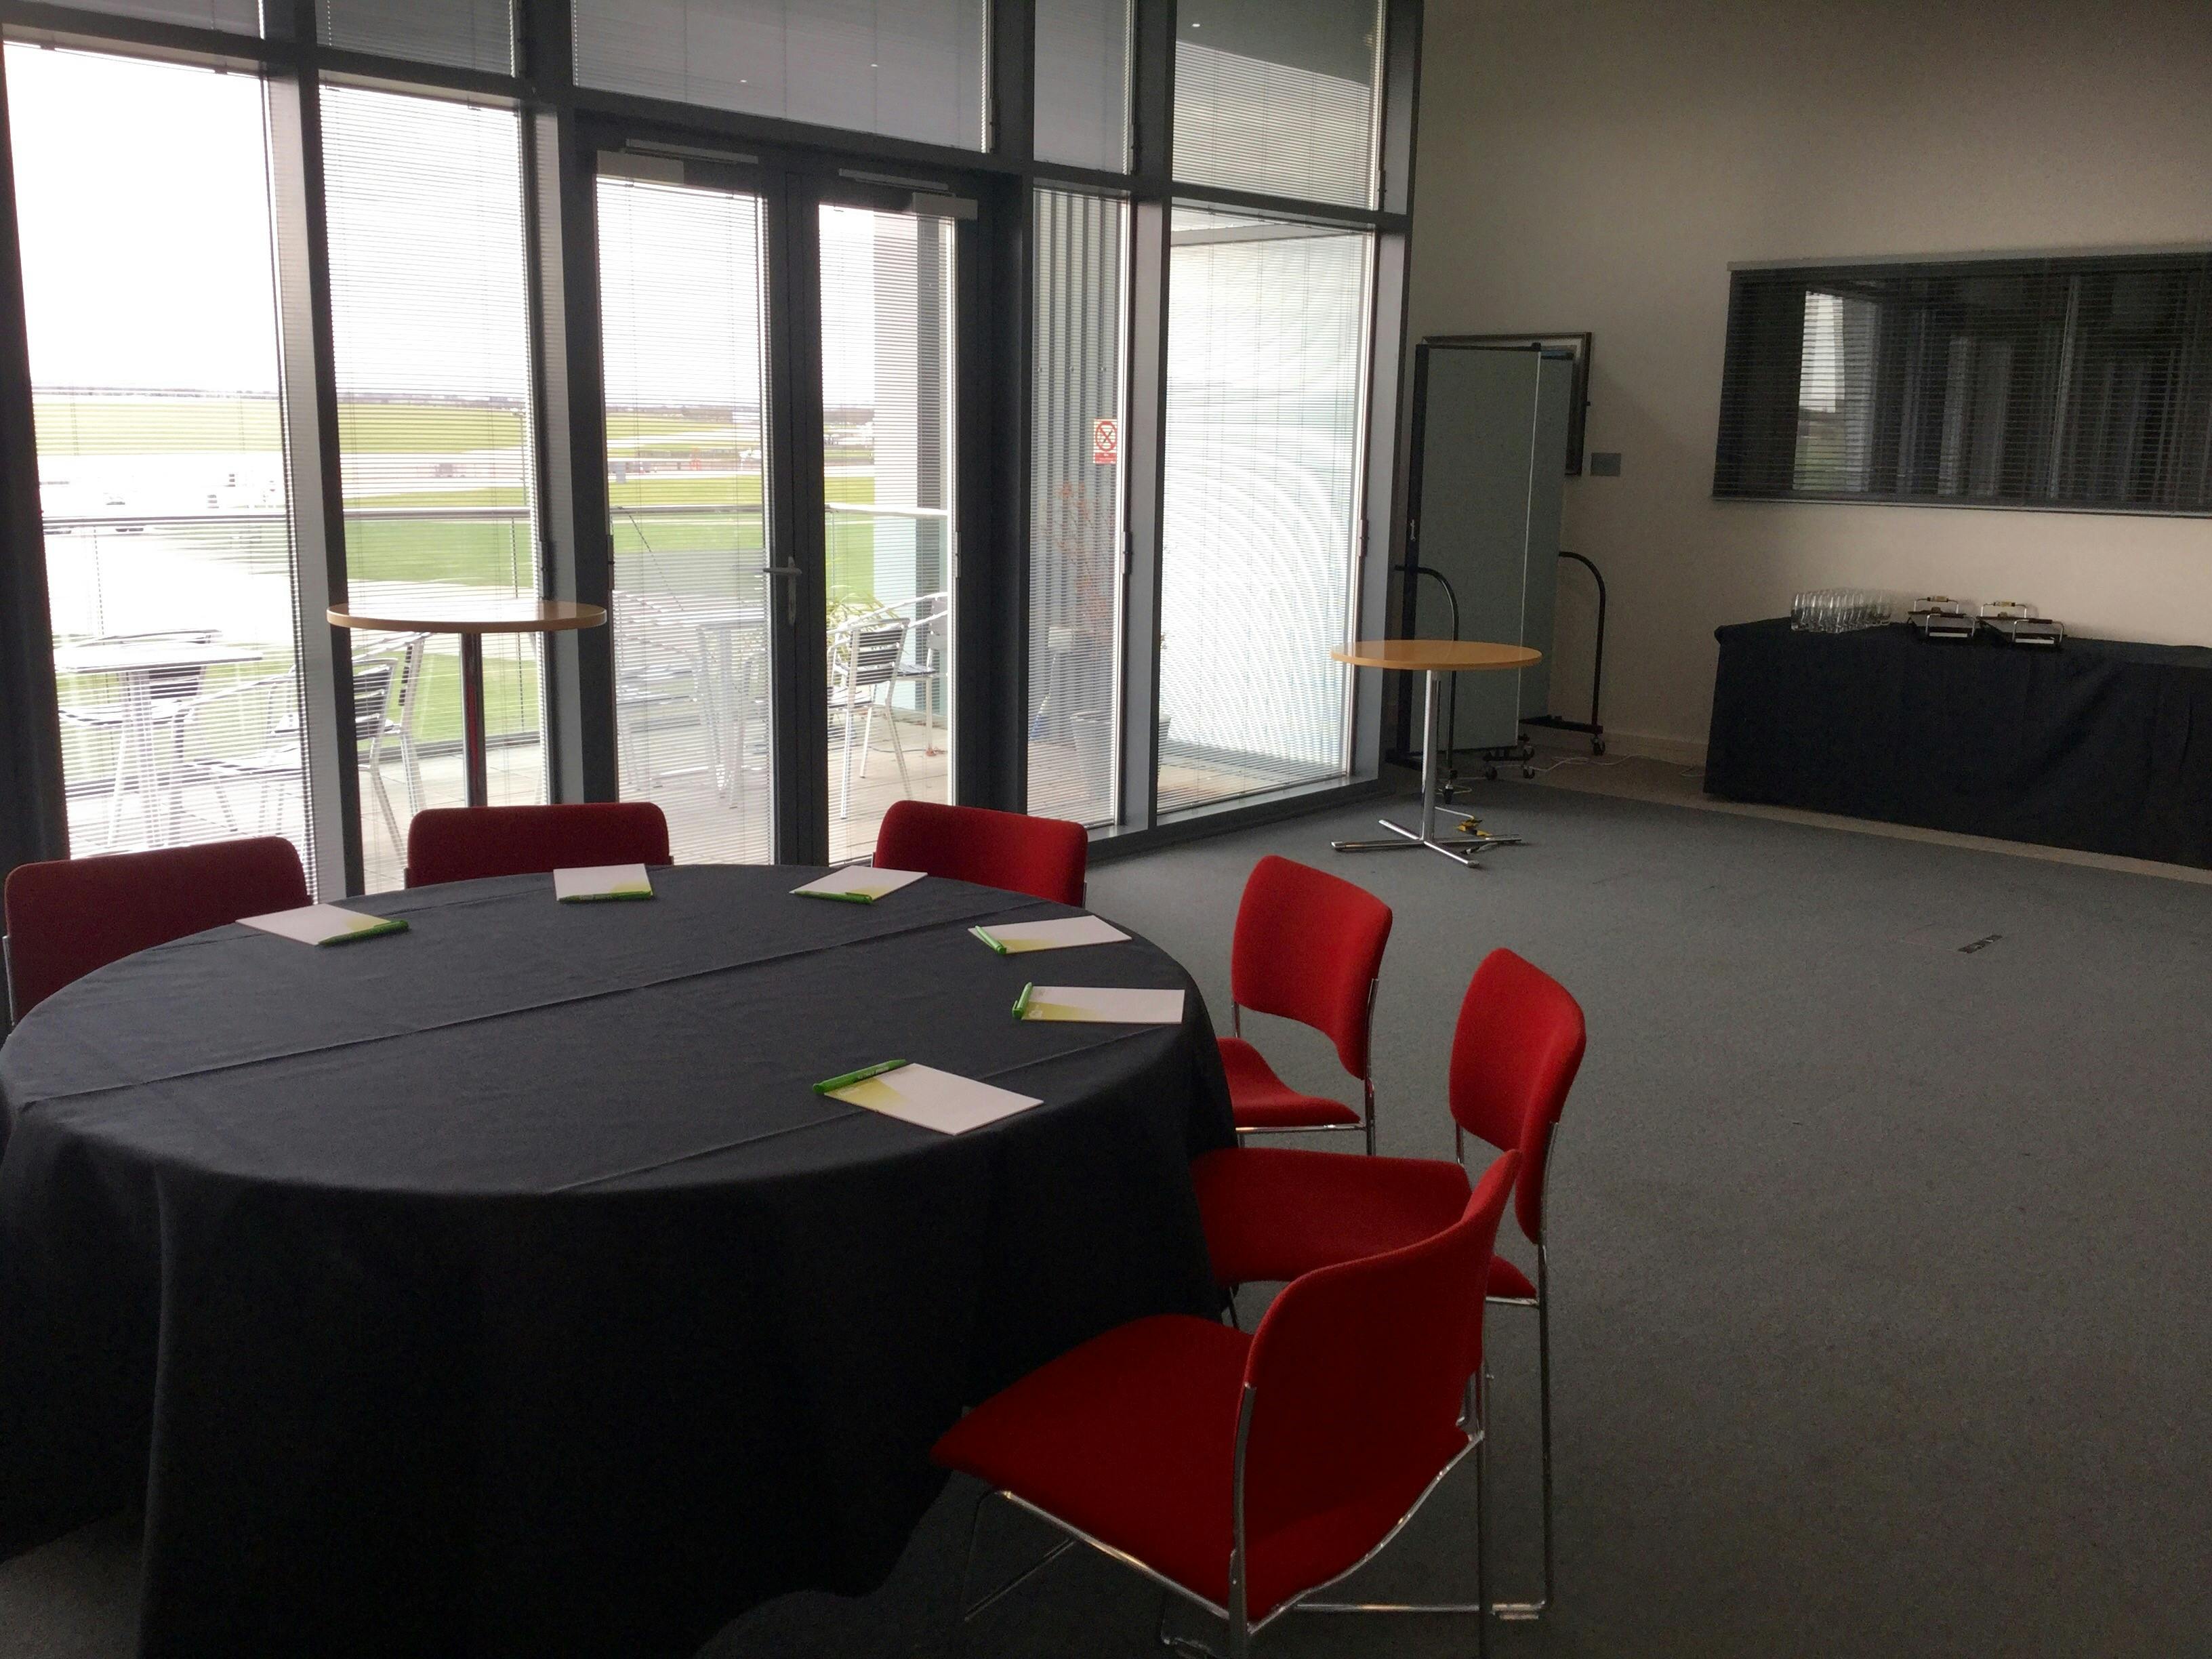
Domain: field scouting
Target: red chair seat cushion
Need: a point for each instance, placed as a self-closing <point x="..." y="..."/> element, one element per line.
<point x="1258" y="1099"/>
<point x="1132" y="1439"/>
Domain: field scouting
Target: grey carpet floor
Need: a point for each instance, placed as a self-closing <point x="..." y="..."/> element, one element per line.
<point x="1884" y="1312"/>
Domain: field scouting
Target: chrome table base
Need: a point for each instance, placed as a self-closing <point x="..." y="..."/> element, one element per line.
<point x="1460" y="849"/>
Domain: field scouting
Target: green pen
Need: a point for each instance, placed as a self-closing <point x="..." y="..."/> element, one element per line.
<point x="1022" y="1003"/>
<point x="860" y="1076"/>
<point x="989" y="940"/>
<point x="842" y="898"/>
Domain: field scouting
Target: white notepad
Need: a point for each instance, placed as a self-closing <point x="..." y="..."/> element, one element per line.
<point x="1013" y="937"/>
<point x="602" y="881"/>
<point x="859" y="883"/>
<point x="1101" y="1005"/>
<point x="324" y="924"/>
<point x="944" y="1101"/>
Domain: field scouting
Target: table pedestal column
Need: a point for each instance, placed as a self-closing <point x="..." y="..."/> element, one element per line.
<point x="472" y="718"/>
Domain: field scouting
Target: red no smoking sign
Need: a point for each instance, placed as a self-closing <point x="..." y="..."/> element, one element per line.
<point x="1105" y="441"/>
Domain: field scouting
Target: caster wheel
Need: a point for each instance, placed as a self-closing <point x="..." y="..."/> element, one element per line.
<point x="1597" y="745"/>
<point x="1528" y="771"/>
<point x="1490" y="773"/>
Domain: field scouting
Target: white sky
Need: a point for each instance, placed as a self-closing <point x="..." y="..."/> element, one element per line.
<point x="142" y="195"/>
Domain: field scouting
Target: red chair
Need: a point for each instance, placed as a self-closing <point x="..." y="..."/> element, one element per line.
<point x="1272" y="1214"/>
<point x="1245" y="1473"/>
<point x="1044" y="858"/>
<point x="1308" y="947"/>
<point x="72" y="915"/>
<point x="462" y="843"/>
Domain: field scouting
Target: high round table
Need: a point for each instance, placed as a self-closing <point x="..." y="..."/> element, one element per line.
<point x="471" y="619"/>
<point x="1433" y="659"/>
<point x="502" y="1286"/>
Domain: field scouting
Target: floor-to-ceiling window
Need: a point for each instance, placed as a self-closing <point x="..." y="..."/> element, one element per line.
<point x="142" y="205"/>
<point x="1268" y="327"/>
<point x="430" y="322"/>
<point x="337" y="302"/>
<point x="1075" y="592"/>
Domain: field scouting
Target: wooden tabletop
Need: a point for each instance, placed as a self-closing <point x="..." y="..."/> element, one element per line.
<point x="1461" y="654"/>
<point x="488" y="615"/>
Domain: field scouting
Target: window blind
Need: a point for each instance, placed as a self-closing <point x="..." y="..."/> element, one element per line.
<point x="1277" y="97"/>
<point x="906" y="69"/>
<point x="168" y="548"/>
<point x="2081" y="383"/>
<point x="430" y="321"/>
<point x="473" y="34"/>
<point x="1076" y="504"/>
<point x="236" y="16"/>
<point x="1266" y="390"/>
<point x="1082" y="88"/>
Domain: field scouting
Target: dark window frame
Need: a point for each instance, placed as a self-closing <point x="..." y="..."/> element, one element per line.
<point x="289" y="56"/>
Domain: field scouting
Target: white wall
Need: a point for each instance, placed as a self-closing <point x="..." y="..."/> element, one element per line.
<point x="1598" y="164"/>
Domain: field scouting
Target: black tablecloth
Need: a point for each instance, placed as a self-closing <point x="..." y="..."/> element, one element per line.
<point x="2099" y="745"/>
<point x="502" y="1287"/>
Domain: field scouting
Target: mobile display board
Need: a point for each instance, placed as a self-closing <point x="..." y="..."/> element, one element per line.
<point x="1489" y="442"/>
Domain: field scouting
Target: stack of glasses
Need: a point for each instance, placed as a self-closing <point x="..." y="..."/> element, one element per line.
<point x="1840" y="609"/>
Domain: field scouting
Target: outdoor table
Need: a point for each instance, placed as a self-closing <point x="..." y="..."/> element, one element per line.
<point x="1435" y="659"/>
<point x="503" y="1287"/>
<point x="471" y="619"/>
<point x="135" y="665"/>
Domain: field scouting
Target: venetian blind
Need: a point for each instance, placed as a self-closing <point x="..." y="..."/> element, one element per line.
<point x="1083" y="83"/>
<point x="473" y="34"/>
<point x="2077" y="383"/>
<point x="905" y="68"/>
<point x="1277" y="97"/>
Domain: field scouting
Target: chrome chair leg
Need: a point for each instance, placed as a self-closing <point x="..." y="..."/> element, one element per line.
<point x="1482" y="1522"/>
<point x="969" y="1612"/>
<point x="1520" y="1612"/>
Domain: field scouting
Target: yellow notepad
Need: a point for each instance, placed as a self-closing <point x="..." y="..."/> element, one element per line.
<point x="1101" y="1005"/>
<point x="1011" y="939"/>
<point x="943" y="1101"/>
<point x="602" y="881"/>
<point x="858" y="884"/>
<point x="324" y="924"/>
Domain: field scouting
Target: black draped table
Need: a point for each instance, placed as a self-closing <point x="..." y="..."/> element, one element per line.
<point x="502" y="1286"/>
<point x="2101" y="745"/>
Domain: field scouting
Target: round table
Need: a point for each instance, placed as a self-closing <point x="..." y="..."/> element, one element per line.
<point x="1433" y="659"/>
<point x="471" y="618"/>
<point x="503" y="1287"/>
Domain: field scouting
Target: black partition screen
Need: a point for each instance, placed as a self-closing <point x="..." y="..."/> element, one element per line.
<point x="2081" y="383"/>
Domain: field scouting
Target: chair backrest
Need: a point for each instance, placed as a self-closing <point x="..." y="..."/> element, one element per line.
<point x="1359" y="1375"/>
<point x="1045" y="858"/>
<point x="372" y="699"/>
<point x="462" y="843"/>
<point x="1515" y="1053"/>
<point x="868" y="655"/>
<point x="1308" y="947"/>
<point x="69" y="916"/>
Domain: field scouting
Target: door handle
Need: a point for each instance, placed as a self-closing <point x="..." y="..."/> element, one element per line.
<point x="788" y="576"/>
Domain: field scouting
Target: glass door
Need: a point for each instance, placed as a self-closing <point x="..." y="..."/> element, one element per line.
<point x="684" y="313"/>
<point x="888" y="511"/>
<point x="781" y="404"/>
